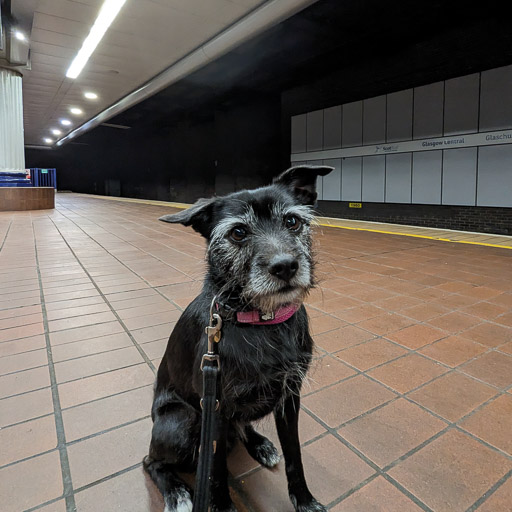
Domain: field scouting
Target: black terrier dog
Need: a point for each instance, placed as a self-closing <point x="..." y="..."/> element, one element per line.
<point x="260" y="269"/>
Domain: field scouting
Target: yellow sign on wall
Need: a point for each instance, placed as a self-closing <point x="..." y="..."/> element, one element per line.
<point x="355" y="205"/>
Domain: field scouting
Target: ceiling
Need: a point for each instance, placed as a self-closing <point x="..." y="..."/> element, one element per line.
<point x="327" y="54"/>
<point x="146" y="37"/>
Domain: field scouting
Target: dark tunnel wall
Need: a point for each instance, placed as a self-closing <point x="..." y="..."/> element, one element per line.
<point x="222" y="151"/>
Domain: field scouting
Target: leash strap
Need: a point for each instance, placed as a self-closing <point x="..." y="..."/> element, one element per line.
<point x="210" y="366"/>
<point x="208" y="435"/>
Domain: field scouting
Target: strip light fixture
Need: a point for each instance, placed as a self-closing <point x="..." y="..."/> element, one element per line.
<point x="108" y="12"/>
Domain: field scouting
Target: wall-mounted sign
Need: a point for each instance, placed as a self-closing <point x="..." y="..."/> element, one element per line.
<point x="44" y="171"/>
<point x="355" y="205"/>
<point x="456" y="141"/>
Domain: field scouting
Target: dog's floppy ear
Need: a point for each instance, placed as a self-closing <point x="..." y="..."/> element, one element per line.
<point x="301" y="180"/>
<point x="199" y="216"/>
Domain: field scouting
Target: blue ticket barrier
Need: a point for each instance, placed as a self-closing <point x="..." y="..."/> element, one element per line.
<point x="43" y="177"/>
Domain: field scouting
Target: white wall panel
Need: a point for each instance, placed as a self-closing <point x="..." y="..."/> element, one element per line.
<point x="428" y="111"/>
<point x="461" y="104"/>
<point x="495" y="176"/>
<point x="352" y="124"/>
<point x="374" y="176"/>
<point x="374" y="120"/>
<point x="426" y="177"/>
<point x="398" y="178"/>
<point x="496" y="99"/>
<point x="459" y="176"/>
<point x="399" y="116"/>
<point x="332" y="182"/>
<point x="315" y="130"/>
<point x="332" y="127"/>
<point x="351" y="179"/>
<point x="299" y="134"/>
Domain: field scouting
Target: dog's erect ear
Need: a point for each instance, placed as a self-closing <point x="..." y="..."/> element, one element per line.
<point x="301" y="180"/>
<point x="199" y="216"/>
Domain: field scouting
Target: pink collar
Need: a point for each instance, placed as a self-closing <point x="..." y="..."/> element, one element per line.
<point x="256" y="317"/>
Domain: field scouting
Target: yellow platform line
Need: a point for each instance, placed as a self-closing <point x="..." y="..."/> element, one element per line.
<point x="319" y="222"/>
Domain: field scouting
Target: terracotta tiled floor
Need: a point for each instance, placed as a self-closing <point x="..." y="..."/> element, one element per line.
<point x="409" y="403"/>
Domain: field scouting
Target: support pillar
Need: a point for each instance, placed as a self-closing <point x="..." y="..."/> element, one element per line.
<point x="12" y="146"/>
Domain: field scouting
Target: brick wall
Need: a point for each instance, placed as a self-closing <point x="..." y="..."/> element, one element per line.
<point x="465" y="218"/>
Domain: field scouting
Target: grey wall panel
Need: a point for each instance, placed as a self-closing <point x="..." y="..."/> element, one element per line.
<point x="351" y="179"/>
<point x="461" y="104"/>
<point x="352" y="124"/>
<point x="426" y="177"/>
<point x="495" y="176"/>
<point x="428" y="111"/>
<point x="459" y="176"/>
<point x="398" y="178"/>
<point x="332" y="182"/>
<point x="399" y="116"/>
<point x="315" y="130"/>
<point x="374" y="177"/>
<point x="299" y="134"/>
<point x="332" y="128"/>
<point x="374" y="120"/>
<point x="496" y="99"/>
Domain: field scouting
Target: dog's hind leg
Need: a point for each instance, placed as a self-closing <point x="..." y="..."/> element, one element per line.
<point x="173" y="448"/>
<point x="177" y="496"/>
<point x="260" y="448"/>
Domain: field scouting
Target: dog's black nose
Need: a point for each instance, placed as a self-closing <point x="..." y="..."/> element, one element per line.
<point x="283" y="267"/>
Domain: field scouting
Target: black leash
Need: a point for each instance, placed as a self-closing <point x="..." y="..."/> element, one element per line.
<point x="210" y="366"/>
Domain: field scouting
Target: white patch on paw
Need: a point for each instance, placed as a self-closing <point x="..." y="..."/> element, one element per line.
<point x="267" y="454"/>
<point x="183" y="503"/>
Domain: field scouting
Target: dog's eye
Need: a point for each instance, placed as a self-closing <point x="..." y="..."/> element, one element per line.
<point x="292" y="223"/>
<point x="238" y="234"/>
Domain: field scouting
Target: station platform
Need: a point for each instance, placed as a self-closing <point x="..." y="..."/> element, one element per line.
<point x="408" y="405"/>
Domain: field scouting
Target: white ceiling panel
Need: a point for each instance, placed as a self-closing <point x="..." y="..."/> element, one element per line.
<point x="146" y="37"/>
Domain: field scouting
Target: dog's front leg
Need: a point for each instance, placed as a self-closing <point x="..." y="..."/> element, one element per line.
<point x="220" y="498"/>
<point x="287" y="423"/>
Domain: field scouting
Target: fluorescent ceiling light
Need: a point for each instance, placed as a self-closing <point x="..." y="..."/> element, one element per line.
<point x="56" y="132"/>
<point x="90" y="95"/>
<point x="76" y="111"/>
<point x="19" y="35"/>
<point x="47" y="140"/>
<point x="65" y="122"/>
<point x="106" y="16"/>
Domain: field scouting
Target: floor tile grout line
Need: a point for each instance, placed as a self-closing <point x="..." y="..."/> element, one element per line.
<point x="487" y="494"/>
<point x="108" y="430"/>
<point x="366" y="459"/>
<point x="87" y="402"/>
<point x="482" y="441"/>
<point x="108" y="477"/>
<point x="59" y="424"/>
<point x="22" y="422"/>
<point x="354" y="489"/>
<point x="128" y="332"/>
<point x="451" y="424"/>
<point x="6" y="234"/>
<point x="28" y="458"/>
<point x="179" y="308"/>
<point x="138" y="248"/>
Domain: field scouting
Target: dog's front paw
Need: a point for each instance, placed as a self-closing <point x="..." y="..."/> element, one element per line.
<point x="178" y="501"/>
<point x="312" y="506"/>
<point x="266" y="454"/>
